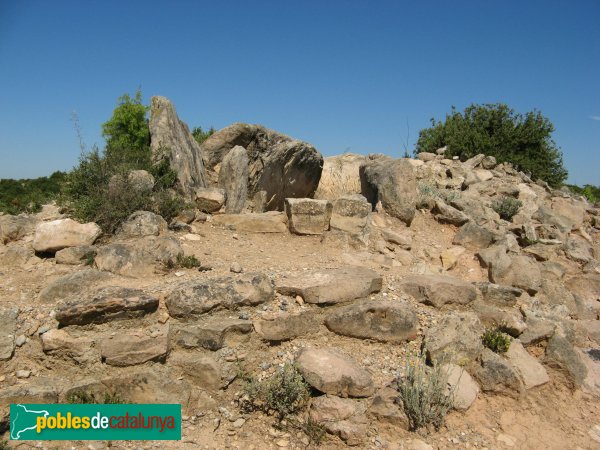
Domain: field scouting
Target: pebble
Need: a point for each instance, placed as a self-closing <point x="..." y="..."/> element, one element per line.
<point x="23" y="373"/>
<point x="244" y="316"/>
<point x="20" y="340"/>
<point x="236" y="268"/>
<point x="239" y="423"/>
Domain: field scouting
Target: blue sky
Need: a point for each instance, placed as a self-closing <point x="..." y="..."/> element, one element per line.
<point x="343" y="75"/>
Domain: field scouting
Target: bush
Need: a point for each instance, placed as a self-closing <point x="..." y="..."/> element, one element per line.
<point x="496" y="130"/>
<point x="424" y="393"/>
<point x="187" y="262"/>
<point x="283" y="394"/>
<point x="428" y="194"/>
<point x="507" y="207"/>
<point x="496" y="340"/>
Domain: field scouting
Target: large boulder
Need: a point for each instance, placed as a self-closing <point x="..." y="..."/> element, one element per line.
<point x="73" y="285"/>
<point x="393" y="182"/>
<point x="233" y="178"/>
<point x="281" y="166"/>
<point x="194" y="298"/>
<point x="308" y="216"/>
<point x="138" y="259"/>
<point x="58" y="234"/>
<point x="331" y="372"/>
<point x="519" y="271"/>
<point x="455" y="338"/>
<point x="350" y="214"/>
<point x="143" y="223"/>
<point x="473" y="236"/>
<point x="385" y="321"/>
<point x="439" y="290"/>
<point x="331" y="285"/>
<point x="171" y="139"/>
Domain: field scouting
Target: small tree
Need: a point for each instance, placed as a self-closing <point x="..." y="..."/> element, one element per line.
<point x="127" y="134"/>
<point x="497" y="130"/>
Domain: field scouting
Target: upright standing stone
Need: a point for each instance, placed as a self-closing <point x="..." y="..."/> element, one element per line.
<point x="233" y="177"/>
<point x="171" y="138"/>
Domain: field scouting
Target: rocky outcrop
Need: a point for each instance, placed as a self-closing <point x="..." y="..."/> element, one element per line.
<point x="277" y="164"/>
<point x="171" y="139"/>
<point x="8" y="327"/>
<point x="439" y="290"/>
<point x="13" y="228"/>
<point x="392" y="182"/>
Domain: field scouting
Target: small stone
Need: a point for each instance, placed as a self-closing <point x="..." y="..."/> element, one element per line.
<point x="239" y="423"/>
<point x="20" y="340"/>
<point x="23" y="373"/>
<point x="236" y="268"/>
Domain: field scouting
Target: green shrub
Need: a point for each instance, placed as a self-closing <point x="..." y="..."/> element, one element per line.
<point x="496" y="340"/>
<point x="497" y="130"/>
<point x="506" y="207"/>
<point x="312" y="429"/>
<point x="283" y="394"/>
<point x="200" y="135"/>
<point x="424" y="393"/>
<point x="591" y="193"/>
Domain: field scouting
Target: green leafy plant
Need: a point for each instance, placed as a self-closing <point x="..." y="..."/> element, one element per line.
<point x="497" y="130"/>
<point x="506" y="207"/>
<point x="284" y="393"/>
<point x="28" y="195"/>
<point x="424" y="393"/>
<point x="428" y="194"/>
<point x="200" y="135"/>
<point x="182" y="261"/>
<point x="496" y="339"/>
<point x="4" y="445"/>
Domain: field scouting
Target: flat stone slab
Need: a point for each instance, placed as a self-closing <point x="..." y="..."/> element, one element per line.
<point x="193" y="298"/>
<point x="132" y="349"/>
<point x="385" y="321"/>
<point x="269" y="222"/>
<point x="333" y="373"/>
<point x="462" y="386"/>
<point x="8" y="327"/>
<point x="285" y="326"/>
<point x="107" y="304"/>
<point x="212" y="335"/>
<point x="74" y="285"/>
<point x="439" y="290"/>
<point x="331" y="285"/>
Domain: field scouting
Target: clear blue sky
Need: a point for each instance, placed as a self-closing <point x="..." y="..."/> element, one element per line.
<point x="343" y="75"/>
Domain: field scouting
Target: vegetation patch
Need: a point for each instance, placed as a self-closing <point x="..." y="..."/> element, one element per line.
<point x="424" y="393"/>
<point x="507" y="207"/>
<point x="496" y="340"/>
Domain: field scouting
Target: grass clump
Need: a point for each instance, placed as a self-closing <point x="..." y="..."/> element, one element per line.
<point x="424" y="393"/>
<point x="496" y="340"/>
<point x="283" y="394"/>
<point x="507" y="207"/>
<point x="182" y="261"/>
